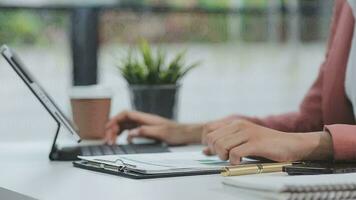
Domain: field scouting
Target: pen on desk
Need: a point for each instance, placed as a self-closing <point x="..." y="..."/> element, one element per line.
<point x="253" y="169"/>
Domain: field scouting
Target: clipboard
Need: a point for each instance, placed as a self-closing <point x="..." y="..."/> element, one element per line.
<point x="117" y="171"/>
<point x="157" y="165"/>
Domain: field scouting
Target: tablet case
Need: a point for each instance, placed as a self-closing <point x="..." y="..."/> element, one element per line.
<point x="136" y="175"/>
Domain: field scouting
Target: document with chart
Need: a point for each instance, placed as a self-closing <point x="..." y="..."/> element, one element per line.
<point x="161" y="162"/>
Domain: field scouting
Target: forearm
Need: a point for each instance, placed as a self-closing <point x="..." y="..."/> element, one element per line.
<point x="192" y="132"/>
<point x="289" y="122"/>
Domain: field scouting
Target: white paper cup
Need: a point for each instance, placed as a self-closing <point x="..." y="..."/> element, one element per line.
<point x="90" y="109"/>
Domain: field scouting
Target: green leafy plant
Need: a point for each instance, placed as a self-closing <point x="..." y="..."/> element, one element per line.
<point x="147" y="68"/>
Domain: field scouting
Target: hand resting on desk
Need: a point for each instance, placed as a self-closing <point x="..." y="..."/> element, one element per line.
<point x="241" y="138"/>
<point x="230" y="137"/>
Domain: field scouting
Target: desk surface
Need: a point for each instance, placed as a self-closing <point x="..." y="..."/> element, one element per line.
<point x="25" y="169"/>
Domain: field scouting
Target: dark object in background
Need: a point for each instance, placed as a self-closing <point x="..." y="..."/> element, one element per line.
<point x="84" y="45"/>
<point x="314" y="168"/>
<point x="157" y="99"/>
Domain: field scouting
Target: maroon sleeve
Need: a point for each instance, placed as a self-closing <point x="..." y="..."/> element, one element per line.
<point x="308" y="118"/>
<point x="344" y="141"/>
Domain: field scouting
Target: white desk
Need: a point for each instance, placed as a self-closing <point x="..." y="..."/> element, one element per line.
<point x="25" y="168"/>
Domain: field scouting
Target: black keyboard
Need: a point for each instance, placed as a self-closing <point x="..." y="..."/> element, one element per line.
<point x="72" y="153"/>
<point x="122" y="149"/>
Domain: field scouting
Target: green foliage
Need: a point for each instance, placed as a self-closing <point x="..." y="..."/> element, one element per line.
<point x="150" y="69"/>
<point x="214" y="3"/>
<point x="255" y="3"/>
<point x="19" y="27"/>
<point x="29" y="27"/>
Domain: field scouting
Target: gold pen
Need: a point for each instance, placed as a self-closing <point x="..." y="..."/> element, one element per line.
<point x="239" y="170"/>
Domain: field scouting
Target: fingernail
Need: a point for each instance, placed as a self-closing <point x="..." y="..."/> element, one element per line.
<point x="134" y="131"/>
<point x="129" y="140"/>
<point x="106" y="141"/>
<point x="107" y="136"/>
<point x="206" y="151"/>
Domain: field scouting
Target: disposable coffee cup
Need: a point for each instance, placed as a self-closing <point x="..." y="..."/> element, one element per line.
<point x="90" y="110"/>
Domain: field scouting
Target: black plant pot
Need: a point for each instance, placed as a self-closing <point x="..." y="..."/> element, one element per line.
<point x="156" y="99"/>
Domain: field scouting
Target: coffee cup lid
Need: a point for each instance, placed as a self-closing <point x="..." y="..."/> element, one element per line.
<point x="90" y="92"/>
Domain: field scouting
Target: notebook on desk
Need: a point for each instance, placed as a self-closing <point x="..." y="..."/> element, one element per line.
<point x="279" y="186"/>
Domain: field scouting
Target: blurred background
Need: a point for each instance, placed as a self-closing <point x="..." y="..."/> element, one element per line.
<point x="259" y="57"/>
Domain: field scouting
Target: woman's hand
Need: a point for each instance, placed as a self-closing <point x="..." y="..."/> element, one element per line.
<point x="151" y="126"/>
<point x="241" y="138"/>
<point x="214" y="125"/>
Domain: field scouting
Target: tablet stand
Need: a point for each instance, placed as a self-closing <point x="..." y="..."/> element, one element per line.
<point x="54" y="154"/>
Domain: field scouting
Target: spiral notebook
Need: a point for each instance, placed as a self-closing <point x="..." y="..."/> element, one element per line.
<point x="278" y="186"/>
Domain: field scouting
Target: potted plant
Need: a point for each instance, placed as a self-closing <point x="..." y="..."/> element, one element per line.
<point x="153" y="82"/>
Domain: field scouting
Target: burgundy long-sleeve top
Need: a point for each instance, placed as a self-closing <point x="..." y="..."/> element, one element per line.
<point x="326" y="106"/>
